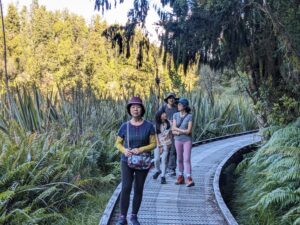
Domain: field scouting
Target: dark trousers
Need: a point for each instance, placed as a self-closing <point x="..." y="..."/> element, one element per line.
<point x="172" y="157"/>
<point x="128" y="176"/>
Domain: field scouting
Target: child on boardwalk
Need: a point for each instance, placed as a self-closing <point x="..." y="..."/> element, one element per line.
<point x="164" y="142"/>
<point x="170" y="108"/>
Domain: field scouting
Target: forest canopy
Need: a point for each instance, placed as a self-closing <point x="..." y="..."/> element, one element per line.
<point x="259" y="40"/>
<point x="58" y="49"/>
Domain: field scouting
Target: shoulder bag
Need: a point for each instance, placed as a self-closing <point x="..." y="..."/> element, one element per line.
<point x="140" y="161"/>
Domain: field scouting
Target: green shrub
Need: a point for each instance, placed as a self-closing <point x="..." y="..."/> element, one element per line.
<point x="268" y="188"/>
<point x="43" y="175"/>
<point x="56" y="154"/>
<point x="284" y="111"/>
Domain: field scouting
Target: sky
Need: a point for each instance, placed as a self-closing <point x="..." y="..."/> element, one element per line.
<point x="85" y="8"/>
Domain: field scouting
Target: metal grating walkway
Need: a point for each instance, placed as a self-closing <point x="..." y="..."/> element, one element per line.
<point x="176" y="204"/>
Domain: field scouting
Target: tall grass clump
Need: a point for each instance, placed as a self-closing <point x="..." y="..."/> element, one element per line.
<point x="43" y="174"/>
<point x="228" y="115"/>
<point x="55" y="155"/>
<point x="268" y="187"/>
<point x="58" y="164"/>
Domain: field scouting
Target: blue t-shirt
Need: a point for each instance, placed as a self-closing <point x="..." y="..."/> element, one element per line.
<point x="139" y="136"/>
<point x="184" y="125"/>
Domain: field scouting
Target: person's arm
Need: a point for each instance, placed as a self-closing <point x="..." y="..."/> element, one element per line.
<point x="147" y="148"/>
<point x="169" y="133"/>
<point x="186" y="131"/>
<point x="151" y="146"/>
<point x="156" y="137"/>
<point x="157" y="141"/>
<point x="158" y="144"/>
<point x="120" y="141"/>
<point x="119" y="144"/>
<point x="183" y="131"/>
<point x="174" y="127"/>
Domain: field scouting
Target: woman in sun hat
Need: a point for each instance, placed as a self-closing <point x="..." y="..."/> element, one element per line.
<point x="140" y="134"/>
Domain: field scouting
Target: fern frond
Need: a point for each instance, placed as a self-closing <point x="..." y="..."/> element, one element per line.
<point x="5" y="198"/>
<point x="280" y="196"/>
<point x="17" y="174"/>
<point x="292" y="215"/>
<point x="297" y="221"/>
<point x="46" y="194"/>
<point x="18" y="215"/>
<point x="76" y="195"/>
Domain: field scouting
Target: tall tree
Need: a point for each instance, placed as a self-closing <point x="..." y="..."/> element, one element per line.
<point x="14" y="39"/>
<point x="47" y="48"/>
<point x="5" y="63"/>
<point x="258" y="39"/>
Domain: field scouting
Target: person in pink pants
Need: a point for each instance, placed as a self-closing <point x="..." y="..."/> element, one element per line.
<point x="182" y="130"/>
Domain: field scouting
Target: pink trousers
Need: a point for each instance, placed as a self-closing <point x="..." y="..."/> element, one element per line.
<point x="183" y="150"/>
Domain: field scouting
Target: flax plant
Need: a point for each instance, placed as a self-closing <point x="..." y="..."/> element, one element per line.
<point x="47" y="164"/>
<point x="229" y="114"/>
<point x="57" y="152"/>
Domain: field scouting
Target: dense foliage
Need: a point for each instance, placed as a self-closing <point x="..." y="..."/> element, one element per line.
<point x="54" y="156"/>
<point x="274" y="171"/>
<point x="257" y="39"/>
<point x="57" y="154"/>
<point x="48" y="48"/>
<point x="57" y="148"/>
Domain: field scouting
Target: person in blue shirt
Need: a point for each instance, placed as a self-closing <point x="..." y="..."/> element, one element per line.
<point x="134" y="137"/>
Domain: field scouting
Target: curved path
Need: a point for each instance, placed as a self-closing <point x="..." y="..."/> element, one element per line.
<point x="176" y="204"/>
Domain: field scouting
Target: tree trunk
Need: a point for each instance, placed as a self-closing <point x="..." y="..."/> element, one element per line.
<point x="5" y="65"/>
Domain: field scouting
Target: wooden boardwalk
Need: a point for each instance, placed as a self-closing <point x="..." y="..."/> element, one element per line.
<point x="177" y="204"/>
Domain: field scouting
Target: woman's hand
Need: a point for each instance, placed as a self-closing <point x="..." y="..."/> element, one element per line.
<point x="135" y="151"/>
<point x="175" y="132"/>
<point x="175" y="129"/>
<point x="128" y="152"/>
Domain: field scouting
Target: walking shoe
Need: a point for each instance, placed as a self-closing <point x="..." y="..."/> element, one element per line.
<point x="189" y="182"/>
<point x="134" y="220"/>
<point x="122" y="220"/>
<point x="172" y="173"/>
<point x="163" y="180"/>
<point x="156" y="175"/>
<point x="180" y="180"/>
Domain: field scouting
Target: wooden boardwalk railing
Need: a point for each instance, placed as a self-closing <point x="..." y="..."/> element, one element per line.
<point x="177" y="204"/>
